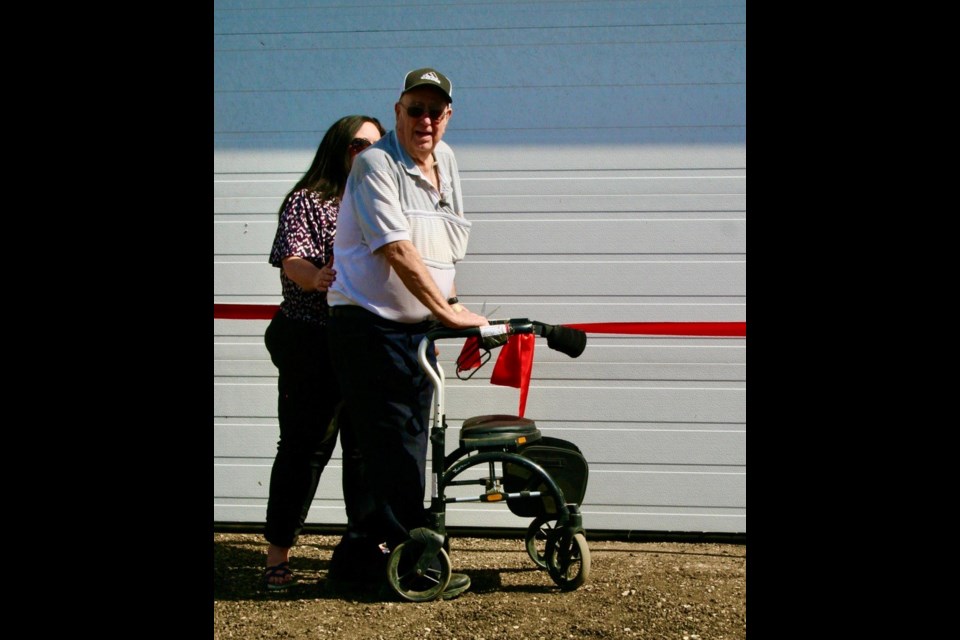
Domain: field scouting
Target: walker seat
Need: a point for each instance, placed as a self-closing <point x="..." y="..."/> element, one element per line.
<point x="497" y="430"/>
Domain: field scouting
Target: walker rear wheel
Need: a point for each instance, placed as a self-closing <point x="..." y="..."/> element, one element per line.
<point x="404" y="578"/>
<point x="568" y="559"/>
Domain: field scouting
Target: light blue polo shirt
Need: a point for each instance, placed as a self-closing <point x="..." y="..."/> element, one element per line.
<point x="387" y="198"/>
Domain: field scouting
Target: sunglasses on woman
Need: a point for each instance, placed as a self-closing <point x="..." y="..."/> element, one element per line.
<point x="359" y="144"/>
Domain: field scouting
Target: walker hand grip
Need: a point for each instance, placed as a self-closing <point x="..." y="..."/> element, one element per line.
<point x="566" y="340"/>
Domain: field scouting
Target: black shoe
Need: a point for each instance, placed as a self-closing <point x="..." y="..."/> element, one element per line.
<point x="357" y="564"/>
<point x="459" y="582"/>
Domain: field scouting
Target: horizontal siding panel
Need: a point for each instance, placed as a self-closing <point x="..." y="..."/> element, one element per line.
<point x="642" y="69"/>
<point x="322" y="513"/>
<point x="247" y="441"/>
<point x="614" y="403"/>
<point x="567" y="151"/>
<point x="649" y="32"/>
<point x="458" y="20"/>
<point x="680" y="203"/>
<point x="245" y="278"/>
<point x="289" y="154"/>
<point x="655" y="489"/>
<point x="716" y="137"/>
<point x="663" y="444"/>
<point x="657" y="501"/>
<point x="240" y="339"/>
<point x="259" y="183"/>
<point x="522" y="184"/>
<point x="248" y="298"/>
<point x="617" y="278"/>
<point x="599" y="237"/>
<point x="579" y="309"/>
<point x="223" y="370"/>
<point x="706" y="445"/>
<point x="632" y="109"/>
<point x="328" y="513"/>
<point x="573" y="184"/>
<point x="720" y="520"/>
<point x="249" y="400"/>
<point x="637" y="278"/>
<point x="638" y="488"/>
<point x="244" y="238"/>
<point x="560" y="236"/>
<point x="623" y="403"/>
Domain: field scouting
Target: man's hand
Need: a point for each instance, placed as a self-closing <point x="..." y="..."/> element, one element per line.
<point x="463" y="318"/>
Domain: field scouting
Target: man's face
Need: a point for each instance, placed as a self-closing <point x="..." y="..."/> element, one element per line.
<point x="419" y="134"/>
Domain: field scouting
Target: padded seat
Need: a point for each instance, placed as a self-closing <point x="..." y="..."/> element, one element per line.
<point x="497" y="430"/>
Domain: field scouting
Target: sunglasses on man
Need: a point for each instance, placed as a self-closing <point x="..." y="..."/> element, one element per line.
<point x="416" y="111"/>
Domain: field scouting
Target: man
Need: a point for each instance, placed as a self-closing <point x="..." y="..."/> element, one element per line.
<point x="400" y="233"/>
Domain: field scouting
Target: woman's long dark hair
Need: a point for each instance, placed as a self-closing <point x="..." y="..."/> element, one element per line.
<point x="331" y="164"/>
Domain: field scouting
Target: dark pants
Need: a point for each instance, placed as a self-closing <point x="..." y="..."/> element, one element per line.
<point x="387" y="399"/>
<point x="308" y="399"/>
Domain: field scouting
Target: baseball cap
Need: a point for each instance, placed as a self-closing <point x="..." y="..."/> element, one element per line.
<point x="428" y="77"/>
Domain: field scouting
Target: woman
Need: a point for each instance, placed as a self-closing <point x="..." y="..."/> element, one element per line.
<point x="308" y="394"/>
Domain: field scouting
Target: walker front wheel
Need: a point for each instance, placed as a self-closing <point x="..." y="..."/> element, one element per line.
<point x="568" y="560"/>
<point x="418" y="584"/>
<point x="537" y="535"/>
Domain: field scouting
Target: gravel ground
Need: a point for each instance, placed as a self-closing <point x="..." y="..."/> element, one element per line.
<point x="650" y="590"/>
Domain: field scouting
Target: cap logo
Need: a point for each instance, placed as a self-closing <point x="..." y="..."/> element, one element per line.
<point x="430" y="76"/>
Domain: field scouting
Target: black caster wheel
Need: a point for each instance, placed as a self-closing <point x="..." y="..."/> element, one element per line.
<point x="568" y="560"/>
<point x="416" y="585"/>
<point x="537" y="534"/>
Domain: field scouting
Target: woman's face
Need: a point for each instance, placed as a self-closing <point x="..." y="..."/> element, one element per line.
<point x="366" y="135"/>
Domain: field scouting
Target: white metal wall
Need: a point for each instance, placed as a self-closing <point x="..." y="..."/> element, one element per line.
<point x="602" y="147"/>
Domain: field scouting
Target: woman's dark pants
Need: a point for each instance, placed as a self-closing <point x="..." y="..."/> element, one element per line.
<point x="308" y="399"/>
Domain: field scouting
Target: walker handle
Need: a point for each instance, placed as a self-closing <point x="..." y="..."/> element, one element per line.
<point x="495" y="329"/>
<point x="566" y="340"/>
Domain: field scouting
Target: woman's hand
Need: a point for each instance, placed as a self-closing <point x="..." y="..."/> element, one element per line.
<point x="325" y="276"/>
<point x="307" y="275"/>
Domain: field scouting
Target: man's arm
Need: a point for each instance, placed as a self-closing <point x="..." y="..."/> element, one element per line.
<point x="406" y="261"/>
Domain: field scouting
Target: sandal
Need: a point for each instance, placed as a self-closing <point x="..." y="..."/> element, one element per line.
<point x="281" y="570"/>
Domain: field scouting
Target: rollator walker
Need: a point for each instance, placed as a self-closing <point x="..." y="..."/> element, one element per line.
<point x="537" y="476"/>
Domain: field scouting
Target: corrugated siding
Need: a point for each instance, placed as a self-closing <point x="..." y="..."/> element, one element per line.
<point x="602" y="147"/>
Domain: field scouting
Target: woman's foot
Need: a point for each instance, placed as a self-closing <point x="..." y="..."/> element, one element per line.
<point x="278" y="574"/>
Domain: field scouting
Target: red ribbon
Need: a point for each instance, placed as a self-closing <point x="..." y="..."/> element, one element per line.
<point x="735" y="329"/>
<point x="515" y="363"/>
<point x="244" y="311"/>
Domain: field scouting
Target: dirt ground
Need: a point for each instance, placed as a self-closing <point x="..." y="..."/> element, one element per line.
<point x="649" y="590"/>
